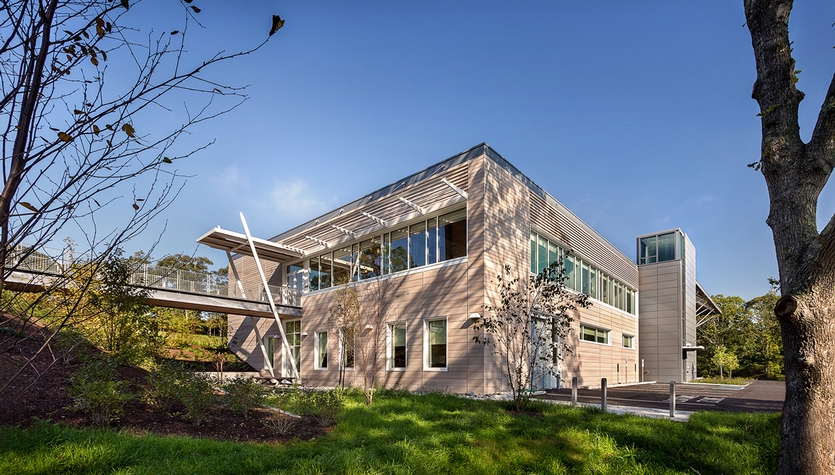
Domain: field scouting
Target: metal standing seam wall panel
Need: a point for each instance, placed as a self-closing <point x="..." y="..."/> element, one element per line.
<point x="661" y="320"/>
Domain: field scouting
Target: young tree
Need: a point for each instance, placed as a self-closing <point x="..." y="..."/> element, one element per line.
<point x="527" y="327"/>
<point x="377" y="298"/>
<point x="795" y="172"/>
<point x="344" y="320"/>
<point x="81" y="86"/>
<point x="725" y="360"/>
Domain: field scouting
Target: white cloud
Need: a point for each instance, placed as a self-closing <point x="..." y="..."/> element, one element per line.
<point x="231" y="181"/>
<point x="297" y="201"/>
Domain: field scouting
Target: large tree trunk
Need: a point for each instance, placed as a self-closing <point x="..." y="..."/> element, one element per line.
<point x="795" y="173"/>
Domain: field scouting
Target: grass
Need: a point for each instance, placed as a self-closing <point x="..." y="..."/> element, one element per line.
<point x="428" y="434"/>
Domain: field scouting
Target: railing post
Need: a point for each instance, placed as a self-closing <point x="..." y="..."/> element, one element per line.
<point x="574" y="391"/>
<point x="603" y="394"/>
<point x="672" y="399"/>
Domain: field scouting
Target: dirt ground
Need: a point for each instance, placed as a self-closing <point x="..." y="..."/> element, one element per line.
<point x="40" y="392"/>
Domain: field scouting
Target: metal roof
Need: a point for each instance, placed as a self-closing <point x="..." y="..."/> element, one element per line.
<point x="704" y="304"/>
<point x="236" y="243"/>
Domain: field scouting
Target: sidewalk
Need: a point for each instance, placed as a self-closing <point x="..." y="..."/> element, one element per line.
<point x="680" y="416"/>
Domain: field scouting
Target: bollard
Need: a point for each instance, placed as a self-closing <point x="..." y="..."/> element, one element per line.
<point x="574" y="391"/>
<point x="603" y="394"/>
<point x="672" y="399"/>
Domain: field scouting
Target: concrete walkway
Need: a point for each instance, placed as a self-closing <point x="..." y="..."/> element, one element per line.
<point x="653" y="399"/>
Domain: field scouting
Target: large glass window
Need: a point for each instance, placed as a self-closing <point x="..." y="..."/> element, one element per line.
<point x="370" y="258"/>
<point x="568" y="265"/>
<point x="552" y="253"/>
<point x="386" y="252"/>
<point x="581" y="275"/>
<point x="397" y="351"/>
<point x="436" y="343"/>
<point x="417" y="245"/>
<point x="534" y="267"/>
<point x="452" y="235"/>
<point x="432" y="240"/>
<point x="314" y="273"/>
<point x="666" y="247"/>
<point x="660" y="248"/>
<point x="648" y="250"/>
<point x="325" y="268"/>
<point x="542" y="252"/>
<point x="342" y="266"/>
<point x="399" y="256"/>
<point x="321" y="345"/>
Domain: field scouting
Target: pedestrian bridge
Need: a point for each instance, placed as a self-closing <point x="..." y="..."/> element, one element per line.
<point x="174" y="288"/>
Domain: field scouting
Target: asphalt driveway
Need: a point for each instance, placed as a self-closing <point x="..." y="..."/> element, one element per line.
<point x="759" y="396"/>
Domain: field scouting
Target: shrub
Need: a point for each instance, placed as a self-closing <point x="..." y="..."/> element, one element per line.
<point x="282" y="423"/>
<point x="165" y="380"/>
<point x="243" y="394"/>
<point x="324" y="406"/>
<point x="197" y="395"/>
<point x="97" y="391"/>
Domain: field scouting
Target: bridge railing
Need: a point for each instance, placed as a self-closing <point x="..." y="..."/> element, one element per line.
<point x="55" y="261"/>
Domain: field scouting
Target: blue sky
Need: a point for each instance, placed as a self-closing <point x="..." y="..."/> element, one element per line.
<point x="635" y="115"/>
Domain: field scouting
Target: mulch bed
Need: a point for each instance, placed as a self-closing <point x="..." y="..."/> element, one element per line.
<point x="40" y="393"/>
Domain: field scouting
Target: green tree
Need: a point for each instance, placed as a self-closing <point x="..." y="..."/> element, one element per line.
<point x="730" y="329"/>
<point x="795" y="173"/>
<point x="725" y="360"/>
<point x="766" y="342"/>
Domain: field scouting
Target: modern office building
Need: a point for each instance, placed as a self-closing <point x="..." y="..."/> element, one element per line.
<point x="431" y="245"/>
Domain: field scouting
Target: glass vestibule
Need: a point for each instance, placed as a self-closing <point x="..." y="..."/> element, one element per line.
<point x="661" y="247"/>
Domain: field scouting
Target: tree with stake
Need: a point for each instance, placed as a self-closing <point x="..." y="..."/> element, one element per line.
<point x="796" y="173"/>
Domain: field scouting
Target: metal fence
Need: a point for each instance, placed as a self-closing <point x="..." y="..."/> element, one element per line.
<point x="55" y="261"/>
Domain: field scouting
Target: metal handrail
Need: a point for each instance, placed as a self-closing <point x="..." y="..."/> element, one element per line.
<point x="154" y="277"/>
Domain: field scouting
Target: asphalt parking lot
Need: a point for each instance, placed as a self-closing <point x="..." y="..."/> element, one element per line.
<point x="759" y="396"/>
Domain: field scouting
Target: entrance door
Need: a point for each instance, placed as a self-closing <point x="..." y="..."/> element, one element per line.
<point x="546" y="348"/>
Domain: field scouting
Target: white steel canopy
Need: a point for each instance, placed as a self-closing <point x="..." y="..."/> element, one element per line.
<point x="233" y="242"/>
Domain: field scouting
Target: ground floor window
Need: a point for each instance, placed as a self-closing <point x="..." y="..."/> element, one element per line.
<point x="628" y="341"/>
<point x="346" y="350"/>
<point x="397" y="346"/>
<point x="320" y="346"/>
<point x="593" y="334"/>
<point x="293" y="331"/>
<point x="436" y="343"/>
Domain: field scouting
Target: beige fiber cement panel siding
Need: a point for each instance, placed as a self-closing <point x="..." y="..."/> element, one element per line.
<point x="506" y="238"/>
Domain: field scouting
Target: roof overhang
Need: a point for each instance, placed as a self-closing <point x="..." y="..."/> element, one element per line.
<point x="704" y="304"/>
<point x="233" y="242"/>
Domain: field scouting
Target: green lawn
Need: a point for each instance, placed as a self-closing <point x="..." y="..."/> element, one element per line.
<point x="431" y="434"/>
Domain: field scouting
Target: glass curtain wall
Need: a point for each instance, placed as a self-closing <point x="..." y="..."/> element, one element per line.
<point x="581" y="275"/>
<point x="433" y="240"/>
<point x="661" y="248"/>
